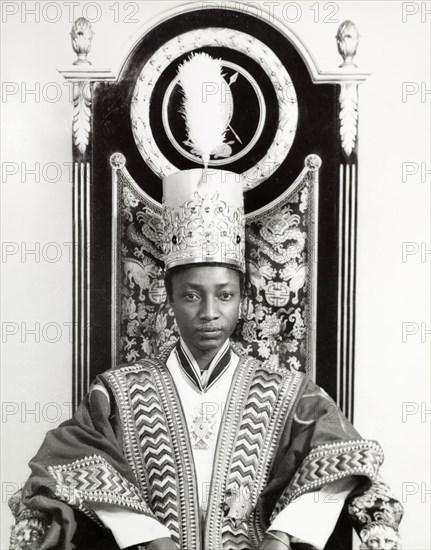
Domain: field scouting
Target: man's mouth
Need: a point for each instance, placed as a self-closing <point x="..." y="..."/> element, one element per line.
<point x="210" y="330"/>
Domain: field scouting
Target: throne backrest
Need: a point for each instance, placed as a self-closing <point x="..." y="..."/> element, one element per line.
<point x="277" y="315"/>
<point x="289" y="117"/>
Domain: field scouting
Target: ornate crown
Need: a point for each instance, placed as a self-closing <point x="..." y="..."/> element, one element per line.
<point x="203" y="209"/>
<point x="203" y="218"/>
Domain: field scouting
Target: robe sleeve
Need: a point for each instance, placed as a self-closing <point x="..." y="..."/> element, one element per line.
<point x="130" y="528"/>
<point x="318" y="446"/>
<point x="79" y="467"/>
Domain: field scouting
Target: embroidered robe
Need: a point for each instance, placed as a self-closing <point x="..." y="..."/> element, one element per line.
<point x="280" y="437"/>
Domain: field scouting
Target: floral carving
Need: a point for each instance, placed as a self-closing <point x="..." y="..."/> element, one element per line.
<point x="313" y="162"/>
<point x="380" y="536"/>
<point x="30" y="527"/>
<point x="348" y="116"/>
<point x="117" y="160"/>
<point x="81" y="115"/>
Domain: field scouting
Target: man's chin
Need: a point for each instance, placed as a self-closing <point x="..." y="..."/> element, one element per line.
<point x="210" y="340"/>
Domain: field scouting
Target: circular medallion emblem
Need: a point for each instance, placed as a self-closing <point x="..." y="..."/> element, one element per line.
<point x="264" y="109"/>
<point x="277" y="293"/>
<point x="157" y="292"/>
<point x="237" y="143"/>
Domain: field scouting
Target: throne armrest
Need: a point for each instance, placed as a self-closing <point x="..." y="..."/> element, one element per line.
<point x="376" y="515"/>
<point x="30" y="525"/>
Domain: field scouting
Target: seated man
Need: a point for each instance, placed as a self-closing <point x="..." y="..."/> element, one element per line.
<point x="203" y="447"/>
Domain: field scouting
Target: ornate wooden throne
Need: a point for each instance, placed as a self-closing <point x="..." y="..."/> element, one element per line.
<point x="293" y="136"/>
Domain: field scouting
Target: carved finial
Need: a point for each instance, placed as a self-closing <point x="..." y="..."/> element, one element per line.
<point x="347" y="42"/>
<point x="313" y="162"/>
<point x="82" y="35"/>
<point x="117" y="160"/>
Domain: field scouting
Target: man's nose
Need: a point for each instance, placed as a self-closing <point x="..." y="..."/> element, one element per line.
<point x="209" y="309"/>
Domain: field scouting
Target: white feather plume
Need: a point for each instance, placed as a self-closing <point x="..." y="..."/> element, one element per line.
<point x="206" y="105"/>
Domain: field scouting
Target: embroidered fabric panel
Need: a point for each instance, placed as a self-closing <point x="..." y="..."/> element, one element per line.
<point x="225" y="446"/>
<point x="276" y="314"/>
<point x="251" y="435"/>
<point x="275" y="317"/>
<point x="147" y="324"/>
<point x="157" y="452"/>
<point x="256" y="411"/>
<point x="160" y="445"/>
<point x="288" y="392"/>
<point x="270" y="398"/>
<point x="186" y="480"/>
<point x="93" y="479"/>
<point x="330" y="462"/>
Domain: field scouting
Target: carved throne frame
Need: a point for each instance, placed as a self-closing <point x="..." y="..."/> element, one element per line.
<point x="325" y="156"/>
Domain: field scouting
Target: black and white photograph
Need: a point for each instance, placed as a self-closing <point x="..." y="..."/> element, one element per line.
<point x="215" y="291"/>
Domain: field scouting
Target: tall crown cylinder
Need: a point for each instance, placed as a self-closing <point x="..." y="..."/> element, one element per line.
<point x="203" y="218"/>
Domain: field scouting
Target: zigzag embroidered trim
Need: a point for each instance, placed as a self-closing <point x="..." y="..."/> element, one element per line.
<point x="331" y="462"/>
<point x="228" y="431"/>
<point x="93" y="479"/>
<point x="286" y="397"/>
<point x="187" y="480"/>
<point x="257" y="408"/>
<point x="131" y="446"/>
<point x="157" y="445"/>
<point x="255" y="423"/>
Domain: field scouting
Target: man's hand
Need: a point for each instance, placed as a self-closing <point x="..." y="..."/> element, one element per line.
<point x="275" y="541"/>
<point x="165" y="543"/>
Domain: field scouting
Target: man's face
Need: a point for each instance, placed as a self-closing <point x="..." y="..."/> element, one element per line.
<point x="206" y="303"/>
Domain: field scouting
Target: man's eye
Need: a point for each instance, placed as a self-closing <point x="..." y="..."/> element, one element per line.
<point x="226" y="296"/>
<point x="190" y="297"/>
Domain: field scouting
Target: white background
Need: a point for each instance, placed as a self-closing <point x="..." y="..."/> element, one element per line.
<point x="37" y="129"/>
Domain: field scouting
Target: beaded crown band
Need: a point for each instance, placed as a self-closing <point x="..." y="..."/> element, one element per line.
<point x="203" y="218"/>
